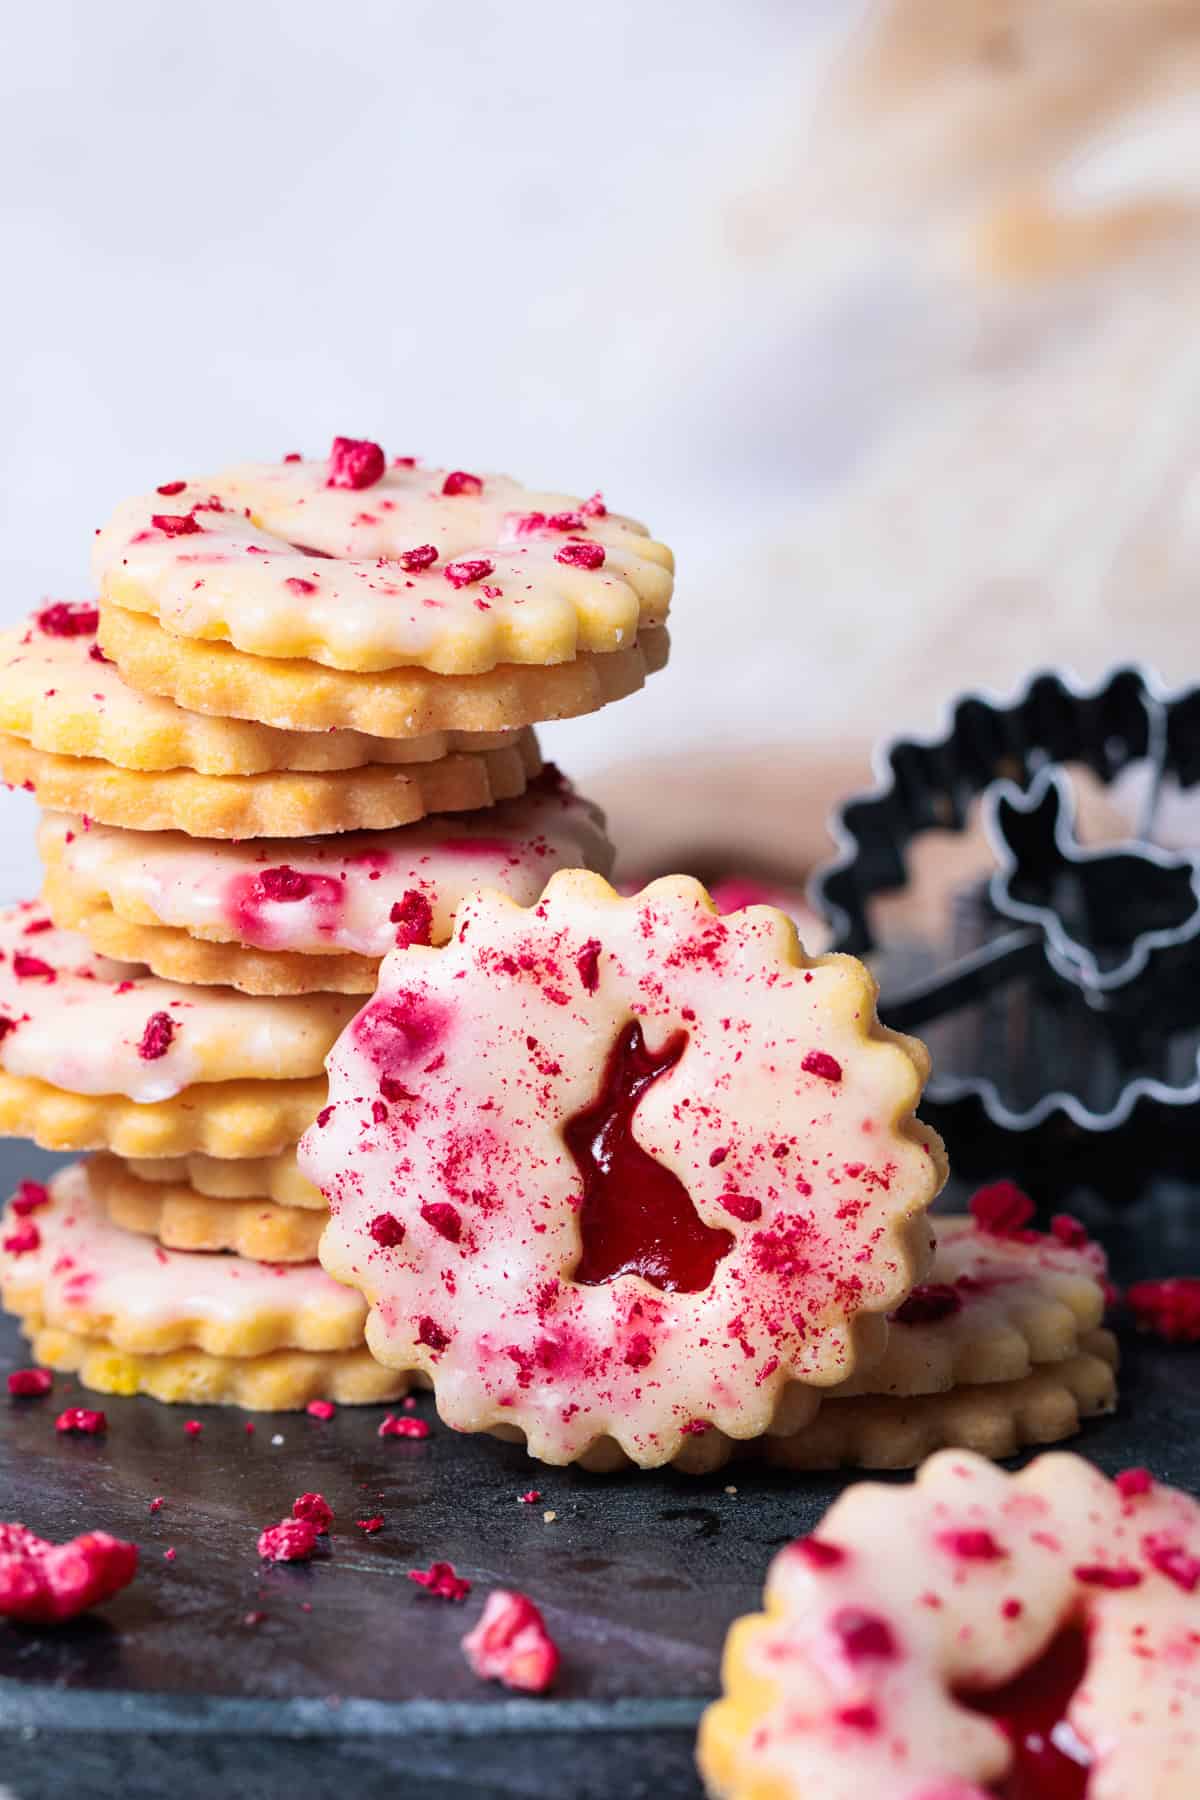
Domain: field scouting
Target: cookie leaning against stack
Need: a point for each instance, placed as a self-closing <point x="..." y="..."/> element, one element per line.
<point x="294" y="732"/>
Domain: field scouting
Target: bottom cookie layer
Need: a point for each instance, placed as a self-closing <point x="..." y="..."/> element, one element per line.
<point x="995" y="1420"/>
<point x="284" y="1381"/>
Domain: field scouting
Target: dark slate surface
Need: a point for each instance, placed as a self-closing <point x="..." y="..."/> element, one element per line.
<point x="170" y="1691"/>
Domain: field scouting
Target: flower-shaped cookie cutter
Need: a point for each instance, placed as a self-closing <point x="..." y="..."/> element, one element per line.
<point x="1095" y="953"/>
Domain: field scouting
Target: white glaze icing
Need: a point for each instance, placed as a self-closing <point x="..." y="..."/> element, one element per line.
<point x="971" y="1573"/>
<point x="86" y="1268"/>
<point x="78" y="1021"/>
<point x="1011" y="1302"/>
<point x="352" y="880"/>
<point x="356" y="605"/>
<point x="500" y="1039"/>
<point x="59" y="696"/>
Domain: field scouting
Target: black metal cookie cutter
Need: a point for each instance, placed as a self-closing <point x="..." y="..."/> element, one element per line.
<point x="1071" y="1018"/>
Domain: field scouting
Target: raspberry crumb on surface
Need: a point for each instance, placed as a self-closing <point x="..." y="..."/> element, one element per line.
<point x="467" y="570"/>
<point x="459" y="482"/>
<point x="511" y="1644"/>
<point x="292" y="1540"/>
<point x="1069" y="1230"/>
<point x="192" y="1428"/>
<point x="81" y="1420"/>
<point x="386" y="1230"/>
<point x="26" y="1384"/>
<point x="354" y="463"/>
<point x="316" y="1510"/>
<point x="421" y="556"/>
<point x="24" y="1239"/>
<point x="43" y="1583"/>
<point x="320" y="1409"/>
<point x="1129" y="1483"/>
<point x="530" y="1498"/>
<point x="442" y="1580"/>
<point x="158" y="1502"/>
<point x="68" y="618"/>
<point x="395" y="1426"/>
<point x="370" y="1526"/>
<point x="412" y="915"/>
<point x="176" y="524"/>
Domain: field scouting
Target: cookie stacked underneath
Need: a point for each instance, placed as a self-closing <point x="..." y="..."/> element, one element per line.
<point x="294" y="733"/>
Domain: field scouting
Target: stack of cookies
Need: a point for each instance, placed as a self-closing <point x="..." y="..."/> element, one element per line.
<point x="294" y="733"/>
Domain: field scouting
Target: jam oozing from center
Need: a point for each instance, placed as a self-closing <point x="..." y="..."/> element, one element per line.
<point x="1049" y="1761"/>
<point x="637" y="1217"/>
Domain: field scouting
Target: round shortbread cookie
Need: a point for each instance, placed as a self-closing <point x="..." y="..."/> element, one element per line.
<point x="66" y="1265"/>
<point x="277" y="804"/>
<point x="491" y="1103"/>
<point x="236" y="1119"/>
<point x="61" y="694"/>
<point x="252" y="1178"/>
<point x="281" y="1381"/>
<point x="79" y="1022"/>
<point x="973" y="1633"/>
<point x="992" y="1307"/>
<point x="182" y="1219"/>
<point x="294" y="695"/>
<point x="310" y="915"/>
<point x="995" y="1418"/>
<point x="422" y="568"/>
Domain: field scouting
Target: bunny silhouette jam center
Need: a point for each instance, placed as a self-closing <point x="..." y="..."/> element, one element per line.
<point x="637" y="1217"/>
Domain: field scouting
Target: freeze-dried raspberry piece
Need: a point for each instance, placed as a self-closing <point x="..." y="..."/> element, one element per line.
<point x="467" y="570"/>
<point x="24" y="1239"/>
<point x="320" y="1409"/>
<point x="442" y="1580"/>
<point x="355" y="463"/>
<point x="386" y="1230"/>
<point x="1169" y="1308"/>
<point x="929" y="1302"/>
<point x="459" y="482"/>
<point x="69" y="619"/>
<point x="1003" y="1209"/>
<point x="32" y="968"/>
<point x="581" y="555"/>
<point x="170" y="488"/>
<point x="27" y="1384"/>
<point x="394" y="1426"/>
<point x="29" y="1197"/>
<point x="292" y="1540"/>
<point x="412" y="915"/>
<point x="43" y="1583"/>
<point x="176" y="524"/>
<point x="511" y="1644"/>
<point x="157" y="1038"/>
<point x="315" y="1510"/>
<point x="82" y="1421"/>
<point x="421" y="556"/>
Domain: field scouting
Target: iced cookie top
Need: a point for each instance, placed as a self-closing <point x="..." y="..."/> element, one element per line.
<point x="622" y="1167"/>
<point x="89" y="1025"/>
<point x="977" y="1633"/>
<point x="60" y="693"/>
<point x="363" y="564"/>
<point x="84" y="1271"/>
<point x="998" y="1299"/>
<point x="360" y="892"/>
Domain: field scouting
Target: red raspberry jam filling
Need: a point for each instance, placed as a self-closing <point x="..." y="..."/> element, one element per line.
<point x="1049" y="1761"/>
<point x="637" y="1217"/>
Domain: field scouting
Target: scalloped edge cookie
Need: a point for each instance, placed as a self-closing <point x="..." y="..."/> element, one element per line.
<point x="174" y="955"/>
<point x="994" y="1419"/>
<point x="183" y="1219"/>
<point x="293" y="695"/>
<point x="280" y="804"/>
<point x="279" y="1381"/>
<point x="232" y="1119"/>
<point x="270" y="1177"/>
<point x="59" y="698"/>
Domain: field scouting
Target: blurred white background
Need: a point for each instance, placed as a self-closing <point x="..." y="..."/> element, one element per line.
<point x="912" y="417"/>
